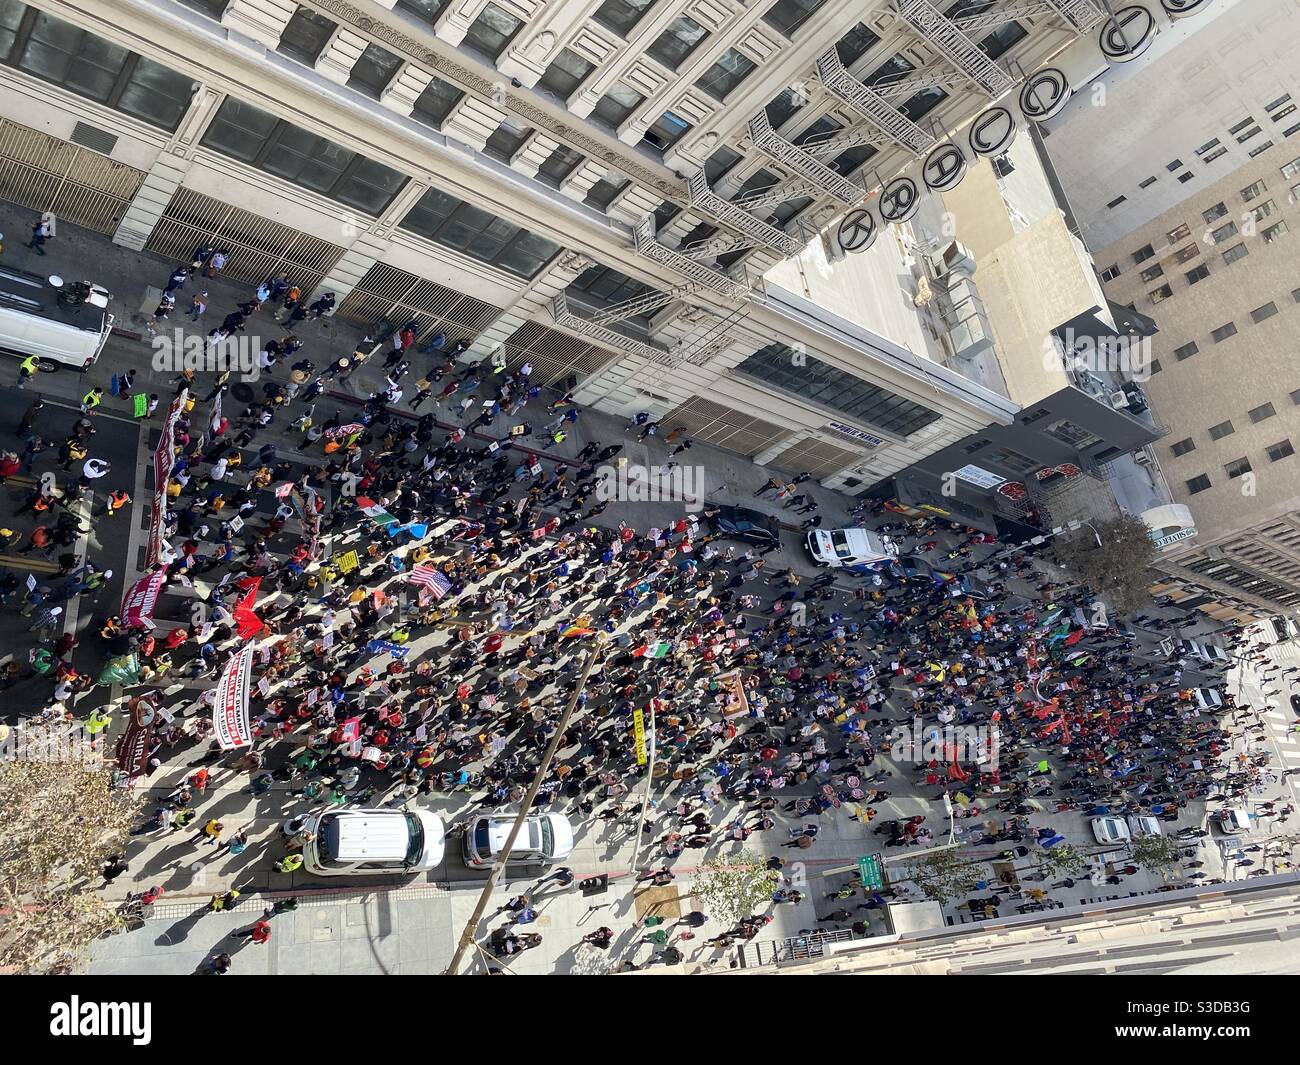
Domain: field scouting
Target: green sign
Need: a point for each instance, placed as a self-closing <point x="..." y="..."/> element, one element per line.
<point x="869" y="872"/>
<point x="141" y="402"/>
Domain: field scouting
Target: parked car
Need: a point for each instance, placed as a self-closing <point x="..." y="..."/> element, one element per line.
<point x="1207" y="698"/>
<point x="373" y="842"/>
<point x="1143" y="825"/>
<point x="1281" y="627"/>
<point x="545" y="838"/>
<point x="1205" y="654"/>
<point x="1110" y="830"/>
<point x="1295" y="704"/>
<point x="743" y="524"/>
<point x="1233" y="819"/>
<point x="838" y="548"/>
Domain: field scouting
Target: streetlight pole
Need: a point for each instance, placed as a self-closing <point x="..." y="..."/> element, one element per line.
<point x="467" y="934"/>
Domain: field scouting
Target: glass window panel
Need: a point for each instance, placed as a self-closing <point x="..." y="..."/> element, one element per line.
<point x="1003" y="39"/>
<point x="923" y="103"/>
<point x="436" y="102"/>
<point x="306" y="34"/>
<point x="492" y="31"/>
<point x="507" y="139"/>
<point x="621" y="15"/>
<point x="617" y="104"/>
<point x="785" y="105"/>
<point x="679" y="40"/>
<point x="559" y="165"/>
<point x="374" y="70"/>
<point x="239" y="130"/>
<point x="11" y="17"/>
<point x="604" y="192"/>
<point x="667" y="130"/>
<point x="429" y="10"/>
<point x="848" y="161"/>
<point x="855" y="44"/>
<point x="527" y="254"/>
<point x="719" y="163"/>
<point x="490" y="239"/>
<point x="729" y="71"/>
<point x="788" y="15"/>
<point x="891" y="69"/>
<point x="567" y="71"/>
<point x="156" y="94"/>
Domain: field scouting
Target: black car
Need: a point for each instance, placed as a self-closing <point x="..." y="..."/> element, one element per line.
<point x="742" y="524"/>
<point x="1295" y="704"/>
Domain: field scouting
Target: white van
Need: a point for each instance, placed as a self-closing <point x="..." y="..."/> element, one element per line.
<point x="1207" y="698"/>
<point x="32" y="322"/>
<point x="373" y="842"/>
<point x="545" y="838"/>
<point x="849" y="547"/>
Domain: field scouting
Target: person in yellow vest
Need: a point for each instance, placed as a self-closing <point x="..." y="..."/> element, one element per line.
<point x="27" y="370"/>
<point x="91" y="400"/>
<point x="290" y="863"/>
<point x="98" y="721"/>
<point x="401" y="635"/>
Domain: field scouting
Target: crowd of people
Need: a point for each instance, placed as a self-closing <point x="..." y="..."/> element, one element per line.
<point x="486" y="573"/>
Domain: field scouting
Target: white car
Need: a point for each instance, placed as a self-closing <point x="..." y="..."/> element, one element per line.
<point x="1208" y="698"/>
<point x="838" y="548"/>
<point x="1144" y="826"/>
<point x="545" y="838"/>
<point x="1233" y="819"/>
<point x="373" y="842"/>
<point x="1110" y="830"/>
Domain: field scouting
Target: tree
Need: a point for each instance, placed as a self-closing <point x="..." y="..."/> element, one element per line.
<point x="1156" y="852"/>
<point x="1117" y="571"/>
<point x="1061" y="859"/>
<point x="731" y="888"/>
<point x="62" y="818"/>
<point x="942" y="875"/>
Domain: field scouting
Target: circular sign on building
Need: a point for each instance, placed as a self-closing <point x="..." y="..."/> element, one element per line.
<point x="1044" y="94"/>
<point x="899" y="200"/>
<point x="1179" y="8"/>
<point x="944" y="168"/>
<point x="1128" y="34"/>
<point x="857" y="231"/>
<point x="992" y="131"/>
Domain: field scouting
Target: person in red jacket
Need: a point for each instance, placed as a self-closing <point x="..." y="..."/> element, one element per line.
<point x="259" y="933"/>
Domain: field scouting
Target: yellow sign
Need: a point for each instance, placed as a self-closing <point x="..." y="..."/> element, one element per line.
<point x="348" y="562"/>
<point x="638" y="731"/>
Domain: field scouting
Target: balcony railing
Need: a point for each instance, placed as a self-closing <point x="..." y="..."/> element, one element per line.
<point x="949" y="41"/>
<point x="706" y="200"/>
<point x="872" y="106"/>
<point x="705" y="276"/>
<point x="610" y="338"/>
<point x="773" y="145"/>
<point x="1080" y="14"/>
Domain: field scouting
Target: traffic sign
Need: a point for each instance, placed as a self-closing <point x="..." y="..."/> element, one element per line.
<point x="869" y="872"/>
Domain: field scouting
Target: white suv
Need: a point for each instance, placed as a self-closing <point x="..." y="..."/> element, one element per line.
<point x="545" y="838"/>
<point x="373" y="842"/>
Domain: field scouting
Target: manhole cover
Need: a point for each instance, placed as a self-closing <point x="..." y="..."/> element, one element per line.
<point x="242" y="391"/>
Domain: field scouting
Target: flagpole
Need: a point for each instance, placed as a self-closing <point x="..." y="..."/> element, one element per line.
<point x="467" y="934"/>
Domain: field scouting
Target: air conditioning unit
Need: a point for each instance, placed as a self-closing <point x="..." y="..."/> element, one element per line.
<point x="1119" y="400"/>
<point x="1143" y="458"/>
<point x="955" y="255"/>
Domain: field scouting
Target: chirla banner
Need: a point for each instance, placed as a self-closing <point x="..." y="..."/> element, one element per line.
<point x="230" y="707"/>
<point x="140" y="600"/>
<point x="163" y="460"/>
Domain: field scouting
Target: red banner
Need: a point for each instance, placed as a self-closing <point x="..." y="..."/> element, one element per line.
<point x="230" y="707"/>
<point x="164" y="458"/>
<point x="140" y="600"/>
<point x="249" y="624"/>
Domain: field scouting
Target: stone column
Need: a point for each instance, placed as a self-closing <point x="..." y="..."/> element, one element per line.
<point x="340" y="55"/>
<point x="405" y="88"/>
<point x="472" y="122"/>
<point x="262" y="20"/>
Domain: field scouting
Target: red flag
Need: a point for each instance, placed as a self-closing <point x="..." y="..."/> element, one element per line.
<point x="248" y="623"/>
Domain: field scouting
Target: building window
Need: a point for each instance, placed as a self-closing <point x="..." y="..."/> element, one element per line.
<point x="1186" y="351"/>
<point x="567" y="71"/>
<point x="1281" y="450"/>
<point x="1214" y="213"/>
<point x="1223" y="332"/>
<point x="1012" y="460"/>
<point x="1291" y="129"/>
<point x="730" y="70"/>
<point x="1155" y="367"/>
<point x="1209" y="146"/>
<point x="679" y="40"/>
<point x="667" y="130"/>
<point x="1291" y="169"/>
<point x="1273" y="232"/>
<point x="1221" y="234"/>
<point x="1198" y="484"/>
<point x="1236" y="468"/>
<point x="1110" y="273"/>
<point x="617" y="105"/>
<point x="976" y="445"/>
<point x="1181" y="233"/>
<point x="1161" y="294"/>
<point x="1183" y="447"/>
<point x="479" y="234"/>
<point x="429" y="10"/>
<point x="1295" y="397"/>
<point x="491" y="32"/>
<point x="837" y="389"/>
<point x="1185" y="178"/>
<point x="1218" y="153"/>
<point x="1143" y="254"/>
<point x="1176" y="164"/>
<point x="1116" y="202"/>
<point x="559" y="165"/>
<point x="1148" y="182"/>
<point x="1270" y="108"/>
<point x="215" y="8"/>
<point x="305" y="35"/>
<point x="1260" y="314"/>
<point x="374" y="69"/>
<point x="1260" y="149"/>
<point x="1238" y="251"/>
<point x="507" y="139"/>
<point x="788" y="15"/>
<point x="59" y="52"/>
<point x="1261" y="413"/>
<point x="1035" y="416"/>
<point x="1182" y="255"/>
<point x="605" y="192"/>
<point x="1153" y="272"/>
<point x="855" y="44"/>
<point x="719" y="164"/>
<point x="1241" y="125"/>
<point x="1068" y="433"/>
<point x="1218" y="432"/>
<point x="436" y="102"/>
<point x="606" y="287"/>
<point x="621" y="15"/>
<point x="1264" y="210"/>
<point x="1197" y="274"/>
<point x="1248" y="134"/>
<point x="287" y="151"/>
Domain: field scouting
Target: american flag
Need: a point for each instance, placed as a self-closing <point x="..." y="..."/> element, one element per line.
<point x="430" y="577"/>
